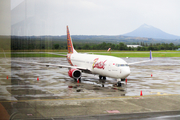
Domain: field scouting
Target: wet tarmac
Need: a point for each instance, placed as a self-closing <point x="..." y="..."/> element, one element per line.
<point x="55" y="82"/>
<point x="29" y="82"/>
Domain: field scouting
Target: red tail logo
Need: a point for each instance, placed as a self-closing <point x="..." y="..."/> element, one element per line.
<point x="69" y="42"/>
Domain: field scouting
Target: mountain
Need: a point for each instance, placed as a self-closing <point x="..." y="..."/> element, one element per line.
<point x="151" y="32"/>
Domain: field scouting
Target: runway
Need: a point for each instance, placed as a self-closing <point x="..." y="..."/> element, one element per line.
<point x="56" y="91"/>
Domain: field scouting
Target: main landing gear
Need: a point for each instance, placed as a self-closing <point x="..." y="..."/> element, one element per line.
<point x="78" y="80"/>
<point x="103" y="78"/>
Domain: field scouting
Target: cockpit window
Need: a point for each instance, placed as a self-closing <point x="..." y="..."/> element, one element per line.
<point x="121" y="65"/>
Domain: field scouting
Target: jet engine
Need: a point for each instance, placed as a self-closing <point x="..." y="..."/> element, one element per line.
<point x="74" y="73"/>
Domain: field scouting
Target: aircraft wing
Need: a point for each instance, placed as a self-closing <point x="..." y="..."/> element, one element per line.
<point x="56" y="65"/>
<point x="144" y="60"/>
<point x="49" y="64"/>
<point x="64" y="66"/>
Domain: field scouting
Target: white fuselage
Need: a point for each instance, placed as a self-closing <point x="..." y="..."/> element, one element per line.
<point x="107" y="66"/>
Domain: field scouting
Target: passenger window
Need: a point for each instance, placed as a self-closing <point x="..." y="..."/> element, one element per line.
<point x="120" y="65"/>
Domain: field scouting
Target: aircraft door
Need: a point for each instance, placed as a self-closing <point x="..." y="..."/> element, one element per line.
<point x="109" y="66"/>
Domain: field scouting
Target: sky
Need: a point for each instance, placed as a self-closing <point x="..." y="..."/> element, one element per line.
<point x="106" y="17"/>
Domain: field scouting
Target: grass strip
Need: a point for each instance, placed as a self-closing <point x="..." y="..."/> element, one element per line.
<point x="116" y="54"/>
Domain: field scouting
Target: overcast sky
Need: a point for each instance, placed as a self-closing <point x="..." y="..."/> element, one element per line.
<point x="110" y="17"/>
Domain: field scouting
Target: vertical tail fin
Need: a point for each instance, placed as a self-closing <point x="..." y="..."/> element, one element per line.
<point x="69" y="43"/>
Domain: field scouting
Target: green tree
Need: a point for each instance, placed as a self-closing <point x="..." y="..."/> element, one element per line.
<point x="171" y="46"/>
<point x="122" y="46"/>
<point x="86" y="47"/>
<point x="138" y="48"/>
<point x="56" y="46"/>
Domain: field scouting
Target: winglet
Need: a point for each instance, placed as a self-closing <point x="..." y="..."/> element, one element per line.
<point x="69" y="43"/>
<point x="151" y="56"/>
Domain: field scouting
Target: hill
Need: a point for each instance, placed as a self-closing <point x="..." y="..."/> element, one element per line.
<point x="151" y="32"/>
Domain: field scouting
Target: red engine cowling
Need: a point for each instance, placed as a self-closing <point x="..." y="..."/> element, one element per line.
<point x="74" y="73"/>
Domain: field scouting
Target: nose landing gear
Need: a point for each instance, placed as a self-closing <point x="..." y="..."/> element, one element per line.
<point x="119" y="84"/>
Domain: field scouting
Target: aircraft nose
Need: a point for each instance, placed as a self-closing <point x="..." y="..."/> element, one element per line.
<point x="126" y="72"/>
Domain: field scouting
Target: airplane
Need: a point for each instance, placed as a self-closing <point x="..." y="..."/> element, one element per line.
<point x="102" y="65"/>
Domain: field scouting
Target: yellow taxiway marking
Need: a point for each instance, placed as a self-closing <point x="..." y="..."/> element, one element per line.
<point x="97" y="98"/>
<point x="159" y="93"/>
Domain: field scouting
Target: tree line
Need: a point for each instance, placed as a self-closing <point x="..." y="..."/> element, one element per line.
<point x="123" y="46"/>
<point x="46" y="43"/>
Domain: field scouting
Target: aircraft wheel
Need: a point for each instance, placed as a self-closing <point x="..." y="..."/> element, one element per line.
<point x="100" y="77"/>
<point x="79" y="79"/>
<point x="104" y="78"/>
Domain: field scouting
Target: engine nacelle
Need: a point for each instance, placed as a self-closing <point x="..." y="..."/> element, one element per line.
<point x="74" y="73"/>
